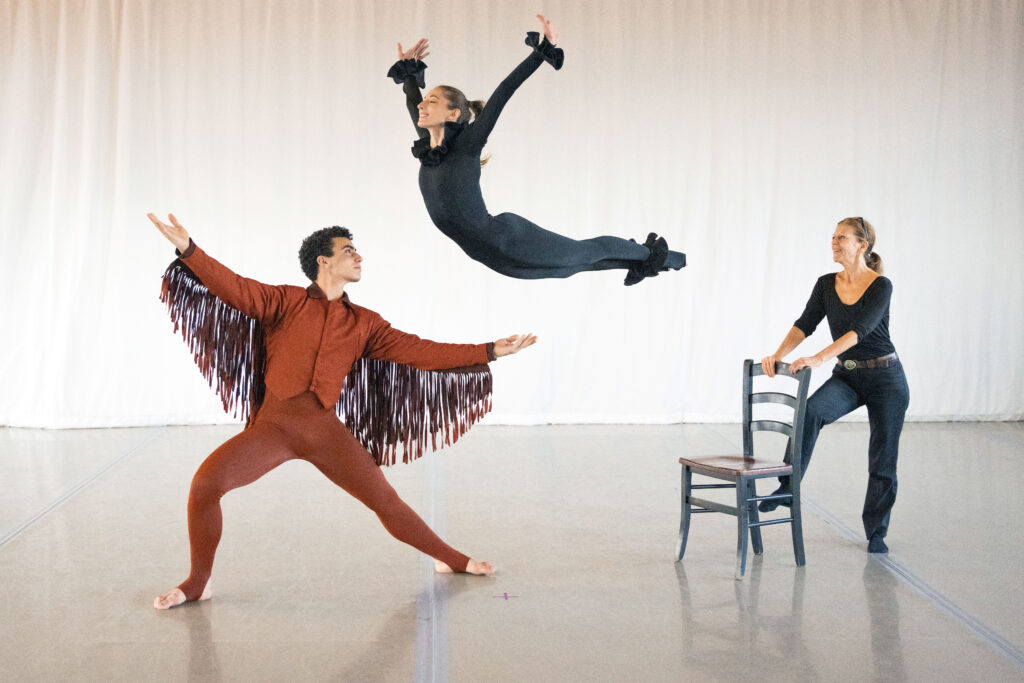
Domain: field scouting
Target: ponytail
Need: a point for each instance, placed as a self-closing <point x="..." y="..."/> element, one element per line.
<point x="457" y="100"/>
<point x="874" y="262"/>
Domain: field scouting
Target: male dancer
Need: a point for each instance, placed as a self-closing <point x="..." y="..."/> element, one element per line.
<point x="313" y="336"/>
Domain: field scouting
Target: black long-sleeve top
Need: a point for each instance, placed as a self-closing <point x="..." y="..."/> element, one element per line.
<point x="451" y="190"/>
<point x="868" y="317"/>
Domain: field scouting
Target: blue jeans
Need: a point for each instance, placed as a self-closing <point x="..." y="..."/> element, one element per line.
<point x="885" y="393"/>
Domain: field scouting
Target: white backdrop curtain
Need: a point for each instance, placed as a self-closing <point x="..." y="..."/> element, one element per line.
<point x="741" y="130"/>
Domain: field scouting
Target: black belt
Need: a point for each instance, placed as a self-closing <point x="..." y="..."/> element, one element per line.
<point x="883" y="362"/>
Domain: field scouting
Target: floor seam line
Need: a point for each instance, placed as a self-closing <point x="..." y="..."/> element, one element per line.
<point x="70" y="493"/>
<point x="431" y="616"/>
<point x="989" y="636"/>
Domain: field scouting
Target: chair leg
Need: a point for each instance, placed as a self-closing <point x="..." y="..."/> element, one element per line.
<point x="743" y="528"/>
<point x="797" y="529"/>
<point x="684" y="521"/>
<point x="755" y="531"/>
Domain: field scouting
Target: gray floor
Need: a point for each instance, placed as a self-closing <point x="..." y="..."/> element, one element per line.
<point x="582" y="523"/>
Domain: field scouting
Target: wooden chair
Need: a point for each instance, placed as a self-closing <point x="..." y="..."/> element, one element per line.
<point x="744" y="470"/>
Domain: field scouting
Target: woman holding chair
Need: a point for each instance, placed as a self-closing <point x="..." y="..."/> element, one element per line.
<point x="856" y="302"/>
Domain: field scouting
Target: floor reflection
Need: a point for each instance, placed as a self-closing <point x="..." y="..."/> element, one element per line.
<point x="884" y="609"/>
<point x="738" y="628"/>
<point x="203" y="662"/>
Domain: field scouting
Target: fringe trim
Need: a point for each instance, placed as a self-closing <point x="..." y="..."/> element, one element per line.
<point x="385" y="405"/>
<point x="227" y="345"/>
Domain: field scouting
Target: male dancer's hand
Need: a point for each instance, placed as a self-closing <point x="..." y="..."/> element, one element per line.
<point x="513" y="344"/>
<point x="174" y="232"/>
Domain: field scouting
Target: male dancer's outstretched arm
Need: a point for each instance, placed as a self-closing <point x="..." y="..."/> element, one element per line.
<point x="251" y="297"/>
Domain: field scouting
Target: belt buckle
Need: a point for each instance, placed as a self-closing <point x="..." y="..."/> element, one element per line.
<point x="850" y="364"/>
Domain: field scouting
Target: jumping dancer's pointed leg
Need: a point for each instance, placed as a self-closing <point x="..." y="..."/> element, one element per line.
<point x="518" y="248"/>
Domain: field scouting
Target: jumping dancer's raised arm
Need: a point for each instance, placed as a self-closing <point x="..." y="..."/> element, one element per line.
<point x="543" y="51"/>
<point x="408" y="71"/>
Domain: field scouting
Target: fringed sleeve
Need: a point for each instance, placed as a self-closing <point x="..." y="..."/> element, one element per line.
<point x="386" y="405"/>
<point x="227" y="345"/>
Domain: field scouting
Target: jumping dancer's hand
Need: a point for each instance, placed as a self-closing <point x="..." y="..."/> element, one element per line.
<point x="174" y="232"/>
<point x="550" y="32"/>
<point x="513" y="344"/>
<point x="417" y="51"/>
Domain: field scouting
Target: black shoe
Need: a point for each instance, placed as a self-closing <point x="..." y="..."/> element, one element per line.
<point x="876" y="544"/>
<point x="633" y="276"/>
<point x="675" y="263"/>
<point x="654" y="264"/>
<point x="659" y="254"/>
<point x="770" y="505"/>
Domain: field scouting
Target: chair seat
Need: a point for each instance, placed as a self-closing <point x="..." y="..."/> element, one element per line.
<point x="737" y="465"/>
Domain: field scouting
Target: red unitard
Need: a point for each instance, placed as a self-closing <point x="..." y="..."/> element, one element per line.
<point x="311" y="345"/>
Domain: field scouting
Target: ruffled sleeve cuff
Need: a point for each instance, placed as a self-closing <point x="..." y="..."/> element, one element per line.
<point x="551" y="54"/>
<point x="408" y="68"/>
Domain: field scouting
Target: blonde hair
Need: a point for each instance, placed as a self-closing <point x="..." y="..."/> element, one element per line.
<point x="865" y="232"/>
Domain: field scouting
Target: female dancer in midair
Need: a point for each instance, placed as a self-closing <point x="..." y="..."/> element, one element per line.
<point x="452" y="133"/>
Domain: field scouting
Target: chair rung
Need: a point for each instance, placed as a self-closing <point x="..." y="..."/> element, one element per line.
<point x="774" y="397"/>
<point x="713" y="486"/>
<point x="769" y="522"/>
<point x="772" y="426"/>
<point x="697" y="511"/>
<point x="778" y="496"/>
<point x="712" y="506"/>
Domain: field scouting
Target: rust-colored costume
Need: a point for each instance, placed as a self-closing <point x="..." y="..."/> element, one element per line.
<point x="303" y="347"/>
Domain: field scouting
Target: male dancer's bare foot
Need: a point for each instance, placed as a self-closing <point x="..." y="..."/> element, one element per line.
<point x="176" y="597"/>
<point x="473" y="567"/>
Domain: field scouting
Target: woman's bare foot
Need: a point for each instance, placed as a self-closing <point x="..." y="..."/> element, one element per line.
<point x="473" y="567"/>
<point x="176" y="597"/>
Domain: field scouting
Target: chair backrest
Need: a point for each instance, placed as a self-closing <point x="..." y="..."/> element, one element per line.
<point x="797" y="401"/>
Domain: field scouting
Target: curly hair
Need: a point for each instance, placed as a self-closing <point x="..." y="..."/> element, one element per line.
<point x="320" y="243"/>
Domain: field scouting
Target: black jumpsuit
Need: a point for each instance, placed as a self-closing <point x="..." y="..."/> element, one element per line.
<point x="506" y="243"/>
